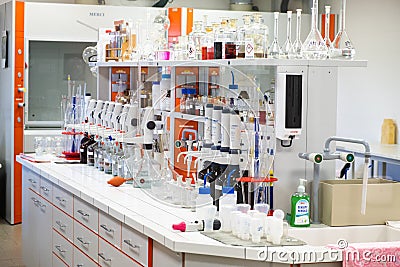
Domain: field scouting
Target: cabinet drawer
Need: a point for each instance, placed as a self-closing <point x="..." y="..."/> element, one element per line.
<point x="81" y="260"/>
<point x="33" y="180"/>
<point x="111" y="256"/>
<point x="86" y="240"/>
<point x="62" y="248"/>
<point x="86" y="214"/>
<point x="46" y="189"/>
<point x="63" y="223"/>
<point x="62" y="199"/>
<point x="135" y="244"/>
<point x="110" y="229"/>
<point x="57" y="262"/>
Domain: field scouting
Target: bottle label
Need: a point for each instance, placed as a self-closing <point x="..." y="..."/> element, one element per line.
<point x="82" y="150"/>
<point x="249" y="48"/>
<point x="302" y="212"/>
<point x="90" y="153"/>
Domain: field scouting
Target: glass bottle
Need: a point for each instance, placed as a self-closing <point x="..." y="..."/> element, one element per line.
<point x="129" y="34"/>
<point x="230" y="44"/>
<point x="343" y="46"/>
<point x="259" y="32"/>
<point x="197" y="106"/>
<point x="149" y="170"/>
<point x="242" y="34"/>
<point x="83" y="148"/>
<point x="197" y="36"/>
<point x="182" y="105"/>
<point x="314" y="46"/>
<point x="117" y="153"/>
<point x="108" y="155"/>
<point x="275" y="50"/>
<point x="288" y="49"/>
<point x="90" y="152"/>
<point x="297" y="43"/>
<point x="97" y="149"/>
<point x="100" y="156"/>
<point x="209" y="43"/>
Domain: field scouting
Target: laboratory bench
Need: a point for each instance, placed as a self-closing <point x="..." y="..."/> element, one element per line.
<point x="72" y="217"/>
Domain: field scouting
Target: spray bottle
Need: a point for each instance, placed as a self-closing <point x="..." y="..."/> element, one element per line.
<point x="300" y="206"/>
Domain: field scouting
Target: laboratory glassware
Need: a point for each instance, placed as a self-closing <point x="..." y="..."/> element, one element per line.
<point x="259" y="32"/>
<point x="288" y="49"/>
<point x="275" y="50"/>
<point x="242" y="34"/>
<point x="314" y="46"/>
<point x="197" y="37"/>
<point x="327" y="39"/>
<point x="297" y="43"/>
<point x="343" y="46"/>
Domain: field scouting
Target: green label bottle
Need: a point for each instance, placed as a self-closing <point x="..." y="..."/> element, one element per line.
<point x="300" y="212"/>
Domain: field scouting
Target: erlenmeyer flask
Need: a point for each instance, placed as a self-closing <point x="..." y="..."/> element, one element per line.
<point x="343" y="47"/>
<point x="314" y="46"/>
<point x="287" y="49"/>
<point x="275" y="50"/>
<point x="297" y="43"/>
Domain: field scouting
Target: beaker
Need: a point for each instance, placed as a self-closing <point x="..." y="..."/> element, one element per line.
<point x="288" y="49"/>
<point x="314" y="46"/>
<point x="275" y="50"/>
<point x="343" y="47"/>
<point x="297" y="43"/>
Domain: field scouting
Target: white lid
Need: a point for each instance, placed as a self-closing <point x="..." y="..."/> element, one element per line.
<point x="302" y="186"/>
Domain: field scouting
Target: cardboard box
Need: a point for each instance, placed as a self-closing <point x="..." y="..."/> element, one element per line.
<point x="340" y="202"/>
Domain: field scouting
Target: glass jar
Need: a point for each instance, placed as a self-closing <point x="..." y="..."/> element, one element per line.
<point x="259" y="33"/>
<point x="197" y="36"/>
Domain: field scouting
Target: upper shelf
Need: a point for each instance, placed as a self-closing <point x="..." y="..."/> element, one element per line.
<point x="240" y="62"/>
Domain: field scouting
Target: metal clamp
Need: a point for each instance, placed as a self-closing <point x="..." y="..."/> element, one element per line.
<point x="32" y="181"/>
<point x="59" y="249"/>
<point x="44" y="189"/>
<point x="107" y="229"/>
<point x="60" y="224"/>
<point x="101" y="255"/>
<point x="80" y="239"/>
<point x="129" y="243"/>
<point x="84" y="214"/>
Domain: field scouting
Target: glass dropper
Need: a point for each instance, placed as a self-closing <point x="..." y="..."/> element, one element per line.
<point x="343" y="47"/>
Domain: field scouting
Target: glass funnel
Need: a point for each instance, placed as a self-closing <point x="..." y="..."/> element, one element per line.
<point x="275" y="50"/>
<point x="297" y="43"/>
<point x="343" y="47"/>
<point x="287" y="48"/>
<point x="314" y="46"/>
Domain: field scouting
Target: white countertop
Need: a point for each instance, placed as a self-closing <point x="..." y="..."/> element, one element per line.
<point x="140" y="211"/>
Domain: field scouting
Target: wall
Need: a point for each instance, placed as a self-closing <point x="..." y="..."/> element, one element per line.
<point x="369" y="95"/>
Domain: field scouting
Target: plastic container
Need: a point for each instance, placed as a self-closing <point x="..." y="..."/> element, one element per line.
<point x="203" y="200"/>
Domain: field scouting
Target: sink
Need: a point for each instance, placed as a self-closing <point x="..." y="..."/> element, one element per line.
<point x="321" y="235"/>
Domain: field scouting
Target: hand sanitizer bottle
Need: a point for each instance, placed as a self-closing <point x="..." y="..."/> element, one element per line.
<point x="300" y="206"/>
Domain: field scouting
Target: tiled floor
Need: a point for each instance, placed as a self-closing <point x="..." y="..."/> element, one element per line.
<point x="10" y="244"/>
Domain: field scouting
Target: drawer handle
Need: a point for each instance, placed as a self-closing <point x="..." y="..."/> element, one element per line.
<point x="41" y="205"/>
<point x="80" y="239"/>
<point x="80" y="265"/>
<point x="35" y="200"/>
<point x="61" y="199"/>
<point x="44" y="189"/>
<point x="60" y="224"/>
<point x="84" y="214"/>
<point x="59" y="249"/>
<point x="129" y="243"/>
<point x="101" y="255"/>
<point x="107" y="229"/>
<point x="32" y="181"/>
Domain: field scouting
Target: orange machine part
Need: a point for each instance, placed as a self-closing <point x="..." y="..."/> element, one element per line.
<point x="18" y="111"/>
<point x="180" y="125"/>
<point x="175" y="16"/>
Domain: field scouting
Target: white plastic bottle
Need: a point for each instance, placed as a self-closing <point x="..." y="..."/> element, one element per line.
<point x="203" y="200"/>
<point x="228" y="196"/>
<point x="276" y="227"/>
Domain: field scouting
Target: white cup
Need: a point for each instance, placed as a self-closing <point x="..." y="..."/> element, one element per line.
<point x="256" y="229"/>
<point x="210" y="212"/>
<point x="233" y="217"/>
